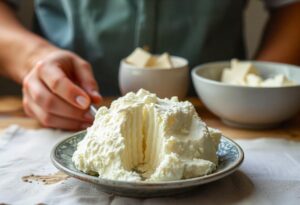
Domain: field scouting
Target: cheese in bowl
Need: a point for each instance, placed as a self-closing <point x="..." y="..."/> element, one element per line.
<point x="245" y="74"/>
<point x="164" y="74"/>
<point x="143" y="59"/>
<point x="145" y="138"/>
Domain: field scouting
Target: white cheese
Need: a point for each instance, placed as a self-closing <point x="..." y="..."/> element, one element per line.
<point x="162" y="61"/>
<point x="238" y="72"/>
<point x="253" y="80"/>
<point x="276" y="81"/>
<point x="142" y="137"/>
<point x="245" y="74"/>
<point x="143" y="59"/>
<point x="139" y="57"/>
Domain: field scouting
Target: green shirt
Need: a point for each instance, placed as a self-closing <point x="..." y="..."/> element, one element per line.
<point x="105" y="31"/>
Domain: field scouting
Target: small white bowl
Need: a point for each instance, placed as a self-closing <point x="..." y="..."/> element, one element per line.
<point x="163" y="82"/>
<point x="248" y="107"/>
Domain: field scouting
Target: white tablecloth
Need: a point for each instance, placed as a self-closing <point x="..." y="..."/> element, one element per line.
<point x="270" y="174"/>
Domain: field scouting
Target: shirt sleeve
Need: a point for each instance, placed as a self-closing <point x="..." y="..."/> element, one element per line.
<point x="271" y="4"/>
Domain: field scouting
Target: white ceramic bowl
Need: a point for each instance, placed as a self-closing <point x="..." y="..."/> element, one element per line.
<point x="248" y="107"/>
<point x="163" y="82"/>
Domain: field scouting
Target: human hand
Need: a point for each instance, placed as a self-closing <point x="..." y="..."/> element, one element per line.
<point x="58" y="91"/>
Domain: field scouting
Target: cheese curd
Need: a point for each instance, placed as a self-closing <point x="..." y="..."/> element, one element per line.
<point x="142" y="137"/>
<point x="143" y="59"/>
<point x="245" y="74"/>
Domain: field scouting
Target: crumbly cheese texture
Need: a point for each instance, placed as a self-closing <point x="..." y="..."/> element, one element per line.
<point x="144" y="138"/>
<point x="245" y="74"/>
<point x="143" y="59"/>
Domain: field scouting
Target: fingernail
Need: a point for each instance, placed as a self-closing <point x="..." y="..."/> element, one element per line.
<point x="85" y="125"/>
<point x="88" y="116"/>
<point x="96" y="94"/>
<point x="82" y="101"/>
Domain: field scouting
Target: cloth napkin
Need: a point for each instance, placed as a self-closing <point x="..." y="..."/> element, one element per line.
<point x="270" y="174"/>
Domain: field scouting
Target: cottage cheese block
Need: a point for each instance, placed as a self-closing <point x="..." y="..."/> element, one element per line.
<point x="142" y="137"/>
<point x="139" y="57"/>
<point x="253" y="80"/>
<point x="276" y="81"/>
<point x="238" y="72"/>
<point x="245" y="74"/>
<point x="143" y="59"/>
<point x="162" y="61"/>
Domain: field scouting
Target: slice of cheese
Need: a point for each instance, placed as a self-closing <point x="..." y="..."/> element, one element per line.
<point x="245" y="74"/>
<point x="144" y="59"/>
<point x="162" y="61"/>
<point x="238" y="72"/>
<point x="227" y="76"/>
<point x="253" y="80"/>
<point x="241" y="69"/>
<point x="139" y="57"/>
<point x="276" y="81"/>
<point x="152" y="62"/>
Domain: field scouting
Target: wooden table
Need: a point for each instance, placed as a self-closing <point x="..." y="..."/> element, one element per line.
<point x="11" y="112"/>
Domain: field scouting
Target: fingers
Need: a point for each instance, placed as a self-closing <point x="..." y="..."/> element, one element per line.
<point x="59" y="90"/>
<point x="58" y="82"/>
<point x="52" y="97"/>
<point x="50" y="120"/>
<point x="40" y="94"/>
<point x="86" y="79"/>
<point x="27" y="108"/>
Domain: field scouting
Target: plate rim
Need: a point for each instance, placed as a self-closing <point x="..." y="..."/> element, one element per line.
<point x="141" y="184"/>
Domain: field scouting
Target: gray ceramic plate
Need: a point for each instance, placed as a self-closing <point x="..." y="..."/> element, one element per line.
<point x="230" y="157"/>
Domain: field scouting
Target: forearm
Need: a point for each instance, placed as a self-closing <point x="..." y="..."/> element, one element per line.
<point x="281" y="39"/>
<point x="19" y="48"/>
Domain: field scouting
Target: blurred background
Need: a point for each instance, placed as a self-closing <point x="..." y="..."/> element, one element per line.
<point x="255" y="19"/>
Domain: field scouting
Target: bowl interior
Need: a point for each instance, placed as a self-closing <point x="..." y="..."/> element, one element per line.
<point x="213" y="71"/>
